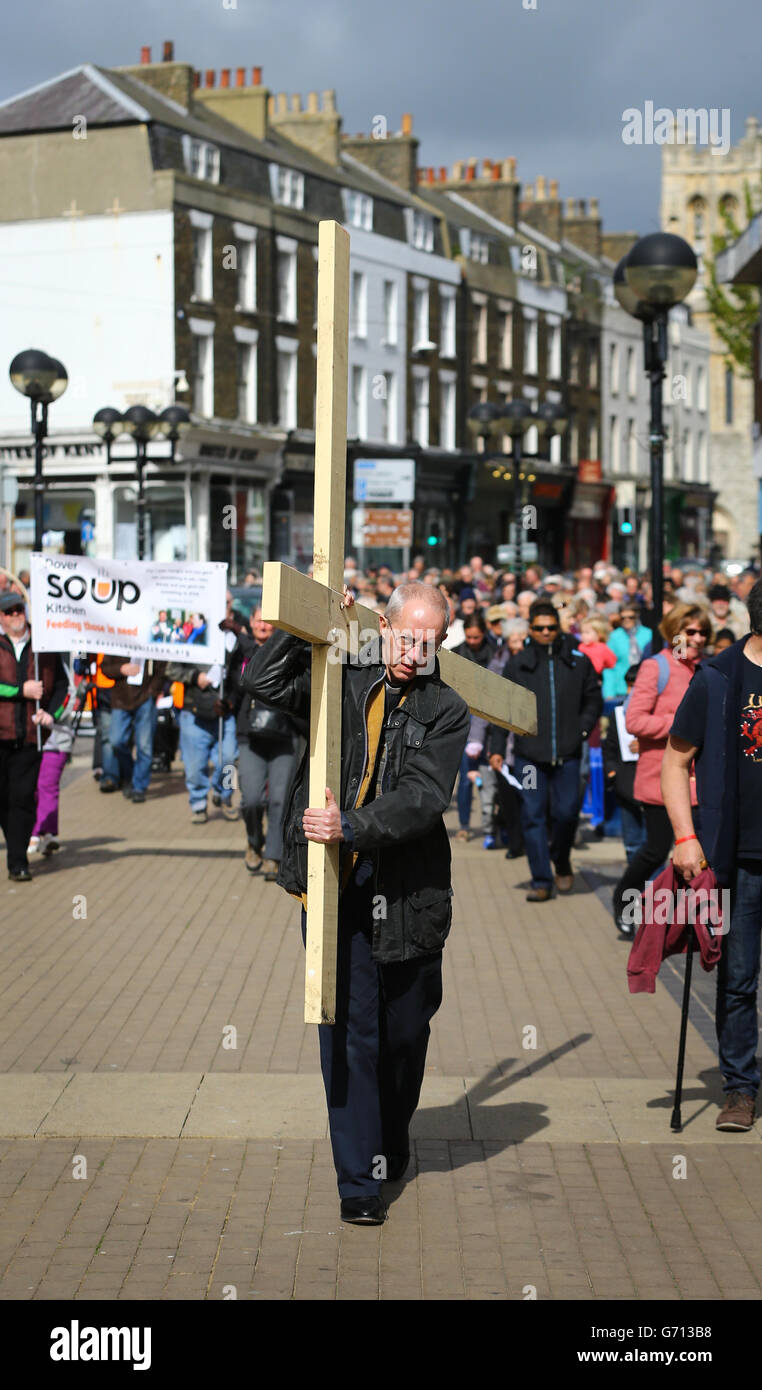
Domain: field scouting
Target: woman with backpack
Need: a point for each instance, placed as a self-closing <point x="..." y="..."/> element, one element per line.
<point x="661" y="682"/>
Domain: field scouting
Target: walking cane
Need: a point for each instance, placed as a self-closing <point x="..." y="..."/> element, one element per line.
<point x="676" y="1123"/>
<point x="37" y="703"/>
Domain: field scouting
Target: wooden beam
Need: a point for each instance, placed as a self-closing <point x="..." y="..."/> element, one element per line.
<point x="291" y="600"/>
<point x="328" y="570"/>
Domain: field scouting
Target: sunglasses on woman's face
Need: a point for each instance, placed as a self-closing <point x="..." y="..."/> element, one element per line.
<point x="694" y="632"/>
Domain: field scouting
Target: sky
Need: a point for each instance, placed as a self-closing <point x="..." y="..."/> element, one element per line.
<point x="546" y="81"/>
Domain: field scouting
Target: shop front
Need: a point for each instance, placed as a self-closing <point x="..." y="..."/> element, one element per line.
<point x="211" y="503"/>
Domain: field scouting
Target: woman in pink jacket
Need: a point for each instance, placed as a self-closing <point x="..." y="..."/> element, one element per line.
<point x="659" y="687"/>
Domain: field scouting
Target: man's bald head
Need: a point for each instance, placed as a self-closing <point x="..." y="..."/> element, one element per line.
<point x="413" y="626"/>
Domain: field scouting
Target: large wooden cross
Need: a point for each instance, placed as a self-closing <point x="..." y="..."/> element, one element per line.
<point x="313" y="610"/>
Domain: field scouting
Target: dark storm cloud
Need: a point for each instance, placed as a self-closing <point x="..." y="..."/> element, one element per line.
<point x="490" y="78"/>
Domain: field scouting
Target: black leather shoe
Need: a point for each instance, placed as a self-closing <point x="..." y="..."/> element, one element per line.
<point x="363" y="1211"/>
<point x="138" y="796"/>
<point x="19" y="876"/>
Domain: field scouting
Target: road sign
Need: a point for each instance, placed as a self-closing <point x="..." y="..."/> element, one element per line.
<point x="382" y="526"/>
<point x="384" y="480"/>
<point x="506" y="554"/>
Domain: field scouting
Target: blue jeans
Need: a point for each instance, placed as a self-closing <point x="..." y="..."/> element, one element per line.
<point x="737" y="977"/>
<point x="199" y="743"/>
<point x="140" y="725"/>
<point x="558" y="788"/>
<point x="465" y="790"/>
<point x="633" y="827"/>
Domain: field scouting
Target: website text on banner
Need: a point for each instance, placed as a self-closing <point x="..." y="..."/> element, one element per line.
<point x="129" y="607"/>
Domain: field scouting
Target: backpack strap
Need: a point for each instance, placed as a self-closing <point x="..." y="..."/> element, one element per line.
<point x="663" y="677"/>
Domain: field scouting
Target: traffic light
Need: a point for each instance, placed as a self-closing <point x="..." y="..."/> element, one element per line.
<point x="432" y="540"/>
<point x="626" y="520"/>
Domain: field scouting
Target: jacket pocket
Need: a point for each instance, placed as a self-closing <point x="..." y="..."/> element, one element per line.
<point x="428" y="917"/>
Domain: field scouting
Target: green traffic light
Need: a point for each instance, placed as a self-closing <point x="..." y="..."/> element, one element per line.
<point x="432" y="540"/>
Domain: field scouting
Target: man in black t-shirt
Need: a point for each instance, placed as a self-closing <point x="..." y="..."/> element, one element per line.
<point x="719" y="724"/>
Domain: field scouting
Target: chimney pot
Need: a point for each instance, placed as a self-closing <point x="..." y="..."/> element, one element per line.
<point x="168" y="53"/>
<point x="313" y="105"/>
<point x="145" y="54"/>
<point x="430" y="174"/>
<point x="419" y="175"/>
<point x="282" y="104"/>
<point x="569" y="207"/>
<point x="554" y="188"/>
<point x="594" y="207"/>
<point x="210" y="77"/>
<point x="470" y="171"/>
<point x="583" y="207"/>
<point x="540" y="186"/>
<point x="407" y="123"/>
<point x="225" y="77"/>
<point x="457" y="169"/>
<point x="296" y="102"/>
<point x="509" y="168"/>
<point x="197" y="79"/>
<point x="240" y="77"/>
<point x="256" y="77"/>
<point x="271" y="106"/>
<point x="443" y="174"/>
<point x="329" y="101"/>
<point x="529" y="193"/>
<point x="495" y="170"/>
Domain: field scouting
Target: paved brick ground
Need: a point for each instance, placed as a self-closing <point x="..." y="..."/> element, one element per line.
<point x="550" y="1169"/>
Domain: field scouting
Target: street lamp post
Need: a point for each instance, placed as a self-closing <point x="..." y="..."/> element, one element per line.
<point x="657" y="273"/>
<point x="43" y="379"/>
<point x="514" y="418"/>
<point x="143" y="425"/>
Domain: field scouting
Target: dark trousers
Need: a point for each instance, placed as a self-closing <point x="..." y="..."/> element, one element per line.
<point x="373" y="1056"/>
<point x="650" y="856"/>
<point x="555" y="788"/>
<point x="19" y="770"/>
<point x="737" y="980"/>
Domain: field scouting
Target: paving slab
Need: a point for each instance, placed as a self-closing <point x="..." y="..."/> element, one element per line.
<point x="259" y="1107"/>
<point x="95" y="1104"/>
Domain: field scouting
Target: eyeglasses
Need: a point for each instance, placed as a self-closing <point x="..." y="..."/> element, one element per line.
<point x="694" y="632"/>
<point x="537" y="628"/>
<point x="11" y="612"/>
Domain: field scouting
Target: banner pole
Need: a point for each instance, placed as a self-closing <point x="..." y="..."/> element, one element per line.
<point x="37" y="703"/>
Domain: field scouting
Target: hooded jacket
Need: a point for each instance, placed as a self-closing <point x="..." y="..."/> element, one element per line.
<point x="568" y="696"/>
<point x="402" y="828"/>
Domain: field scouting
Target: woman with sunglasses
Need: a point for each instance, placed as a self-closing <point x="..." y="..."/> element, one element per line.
<point x="659" y="687"/>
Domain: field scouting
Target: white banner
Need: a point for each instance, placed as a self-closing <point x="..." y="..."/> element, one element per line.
<point x="136" y="608"/>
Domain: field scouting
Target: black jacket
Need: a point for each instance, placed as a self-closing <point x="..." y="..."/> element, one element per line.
<point x="241" y="699"/>
<point x="402" y="829"/>
<point x="568" y="696"/>
<point x="623" y="780"/>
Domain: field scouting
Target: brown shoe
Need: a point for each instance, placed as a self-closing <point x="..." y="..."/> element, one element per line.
<point x="462" y="835"/>
<point x="271" y="867"/>
<point x="539" y="895"/>
<point x="253" y="859"/>
<point x="564" y="882"/>
<point x="737" y="1112"/>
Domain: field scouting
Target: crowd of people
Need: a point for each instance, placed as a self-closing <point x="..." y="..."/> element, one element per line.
<point x="580" y="641"/>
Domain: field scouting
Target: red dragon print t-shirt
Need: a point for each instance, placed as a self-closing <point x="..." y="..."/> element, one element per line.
<point x="750" y="763"/>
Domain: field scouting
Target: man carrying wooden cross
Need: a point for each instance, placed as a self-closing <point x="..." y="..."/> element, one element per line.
<point x="386" y="733"/>
<point x="403" y="735"/>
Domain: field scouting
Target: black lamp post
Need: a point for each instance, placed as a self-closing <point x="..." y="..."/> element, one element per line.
<point x="43" y="379"/>
<point x="143" y="425"/>
<point x="657" y="273"/>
